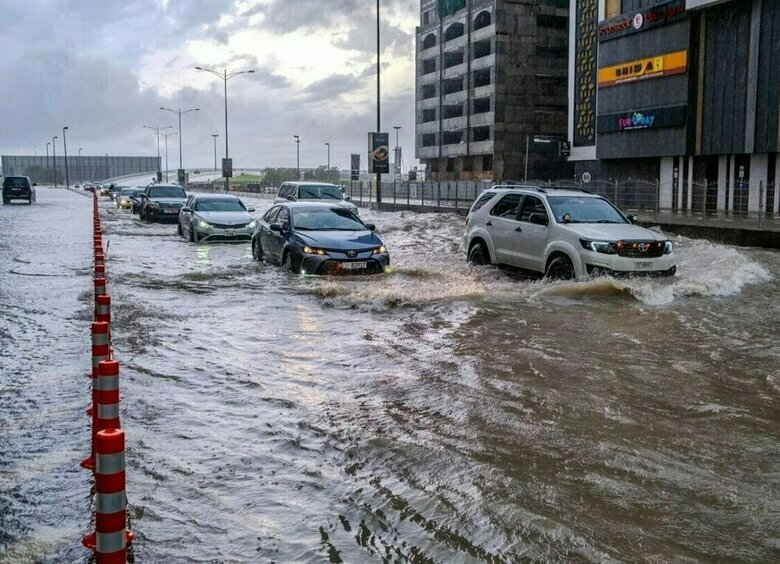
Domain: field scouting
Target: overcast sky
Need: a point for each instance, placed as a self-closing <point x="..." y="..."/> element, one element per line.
<point x="104" y="67"/>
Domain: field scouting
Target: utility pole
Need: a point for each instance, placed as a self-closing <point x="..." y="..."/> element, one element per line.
<point x="215" y="135"/>
<point x="397" y="152"/>
<point x="48" y="167"/>
<point x="328" y="146"/>
<point x="378" y="101"/>
<point x="165" y="136"/>
<point x="65" y="146"/>
<point x="298" y="156"/>
<point x="54" y="157"/>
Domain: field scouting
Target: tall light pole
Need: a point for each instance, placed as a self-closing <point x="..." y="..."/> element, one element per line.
<point x="397" y="159"/>
<point x="65" y="146"/>
<point x="214" y="136"/>
<point x="48" y="168"/>
<point x="79" y="168"/>
<point x="54" y="157"/>
<point x="297" y="156"/>
<point x="225" y="77"/>
<point x="165" y="135"/>
<point x="157" y="129"/>
<point x="328" y="146"/>
<point x="179" y="111"/>
<point x="378" y="101"/>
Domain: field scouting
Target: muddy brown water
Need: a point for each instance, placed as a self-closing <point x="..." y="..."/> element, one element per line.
<point x="439" y="413"/>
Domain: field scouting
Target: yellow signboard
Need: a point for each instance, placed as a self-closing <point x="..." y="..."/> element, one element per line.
<point x="641" y="69"/>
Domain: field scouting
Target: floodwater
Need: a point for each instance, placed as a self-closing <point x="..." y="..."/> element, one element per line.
<point x="440" y="413"/>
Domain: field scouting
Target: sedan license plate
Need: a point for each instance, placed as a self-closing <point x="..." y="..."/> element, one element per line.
<point x="171" y="212"/>
<point x="230" y="233"/>
<point x="354" y="265"/>
<point x="644" y="265"/>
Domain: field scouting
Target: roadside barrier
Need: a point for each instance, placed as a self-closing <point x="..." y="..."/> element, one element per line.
<point x="111" y="539"/>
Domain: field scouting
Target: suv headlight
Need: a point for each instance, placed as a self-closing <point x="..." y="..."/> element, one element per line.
<point x="668" y="248"/>
<point x="310" y="251"/>
<point x="380" y="251"/>
<point x="604" y="247"/>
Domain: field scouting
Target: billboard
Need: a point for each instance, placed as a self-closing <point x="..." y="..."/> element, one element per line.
<point x="643" y="69"/>
<point x="379" y="153"/>
<point x="354" y="167"/>
<point x="227" y="168"/>
<point x="643" y="20"/>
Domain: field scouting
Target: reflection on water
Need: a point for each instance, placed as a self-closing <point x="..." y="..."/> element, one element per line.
<point x="440" y="412"/>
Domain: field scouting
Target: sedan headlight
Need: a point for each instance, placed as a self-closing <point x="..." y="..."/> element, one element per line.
<point x="668" y="248"/>
<point x="604" y="247"/>
<point x="204" y="224"/>
<point x="380" y="251"/>
<point x="310" y="251"/>
<point x="252" y="224"/>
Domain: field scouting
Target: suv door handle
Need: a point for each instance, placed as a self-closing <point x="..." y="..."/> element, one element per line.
<point x="518" y="228"/>
<point x="489" y="224"/>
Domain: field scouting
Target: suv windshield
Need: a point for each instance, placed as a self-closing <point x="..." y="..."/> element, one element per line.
<point x="166" y="192"/>
<point x="584" y="210"/>
<point x="327" y="219"/>
<point x="12" y="182"/>
<point x="226" y="205"/>
<point x="320" y="192"/>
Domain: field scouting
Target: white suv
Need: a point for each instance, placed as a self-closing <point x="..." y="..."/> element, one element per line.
<point x="314" y="192"/>
<point x="561" y="233"/>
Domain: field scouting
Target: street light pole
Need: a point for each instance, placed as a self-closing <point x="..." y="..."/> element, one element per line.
<point x="397" y="152"/>
<point x="378" y="101"/>
<point x="157" y="129"/>
<point x="65" y="146"/>
<point x="79" y="168"/>
<point x="297" y="156"/>
<point x="225" y="77"/>
<point x="48" y="168"/>
<point x="165" y="135"/>
<point x="54" y="157"/>
<point x="179" y="111"/>
<point x="328" y="146"/>
<point x="214" y="136"/>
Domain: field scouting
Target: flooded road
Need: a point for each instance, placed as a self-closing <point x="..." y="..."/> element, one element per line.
<point x="440" y="413"/>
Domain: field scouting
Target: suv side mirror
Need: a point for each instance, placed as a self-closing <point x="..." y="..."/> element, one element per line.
<point x="186" y="209"/>
<point x="633" y="218"/>
<point x="35" y="184"/>
<point x="291" y="198"/>
<point x="539" y="219"/>
<point x="347" y="198"/>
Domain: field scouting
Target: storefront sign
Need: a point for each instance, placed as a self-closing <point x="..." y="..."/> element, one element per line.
<point x="649" y="18"/>
<point x="656" y="118"/>
<point x="642" y="69"/>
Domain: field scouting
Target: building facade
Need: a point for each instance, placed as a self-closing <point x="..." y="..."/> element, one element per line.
<point x="48" y="170"/>
<point x="492" y="89"/>
<point x="684" y="93"/>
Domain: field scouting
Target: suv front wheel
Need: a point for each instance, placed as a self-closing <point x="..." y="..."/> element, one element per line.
<point x="479" y="255"/>
<point x="560" y="267"/>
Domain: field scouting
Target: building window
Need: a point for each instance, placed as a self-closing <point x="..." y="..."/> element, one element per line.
<point x="481" y="78"/>
<point x="429" y="41"/>
<point x="481" y="105"/>
<point x="450" y="165"/>
<point x="552" y="22"/>
<point x="483" y="19"/>
<point x="428" y="66"/>
<point x="429" y="115"/>
<point x="452" y="137"/>
<point x="428" y="91"/>
<point x="454" y="31"/>
<point x="452" y="85"/>
<point x="426" y="18"/>
<point x="612" y="8"/>
<point x="429" y="140"/>
<point x="482" y="48"/>
<point x="452" y="111"/>
<point x="453" y="59"/>
<point x="487" y="162"/>
<point x="480" y="134"/>
<point x="468" y="164"/>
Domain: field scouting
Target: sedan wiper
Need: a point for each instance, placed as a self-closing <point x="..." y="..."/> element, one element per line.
<point x="606" y="221"/>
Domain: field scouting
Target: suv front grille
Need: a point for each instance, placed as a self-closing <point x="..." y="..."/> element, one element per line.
<point x="639" y="249"/>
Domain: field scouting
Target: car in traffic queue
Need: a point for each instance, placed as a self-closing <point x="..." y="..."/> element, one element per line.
<point x="135" y="199"/>
<point x="102" y="189"/>
<point x="18" y="188"/>
<point x="313" y="192"/>
<point x="113" y="191"/>
<point x="562" y="234"/>
<point x="124" y="199"/>
<point x="161" y="203"/>
<point x="216" y="217"/>
<point x="319" y="238"/>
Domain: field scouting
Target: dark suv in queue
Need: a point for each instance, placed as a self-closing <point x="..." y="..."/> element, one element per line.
<point x="162" y="202"/>
<point x="18" y="188"/>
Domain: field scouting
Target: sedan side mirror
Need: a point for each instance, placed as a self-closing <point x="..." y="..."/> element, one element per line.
<point x="539" y="219"/>
<point x="186" y="209"/>
<point x="633" y="218"/>
<point x="370" y="226"/>
<point x="276" y="227"/>
<point x="250" y="210"/>
<point x="347" y="198"/>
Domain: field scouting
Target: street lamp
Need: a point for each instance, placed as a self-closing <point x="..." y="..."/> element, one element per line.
<point x="79" y="168"/>
<point x="165" y="135"/>
<point x="214" y="136"/>
<point x="378" y="101"/>
<point x="54" y="157"/>
<point x="157" y="129"/>
<point x="397" y="163"/>
<point x="225" y="77"/>
<point x="179" y="111"/>
<point x="65" y="146"/>
<point x="297" y="156"/>
<point x="328" y="146"/>
<point x="48" y="168"/>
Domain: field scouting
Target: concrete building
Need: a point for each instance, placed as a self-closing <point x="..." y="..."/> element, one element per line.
<point x="686" y="93"/>
<point x="492" y="89"/>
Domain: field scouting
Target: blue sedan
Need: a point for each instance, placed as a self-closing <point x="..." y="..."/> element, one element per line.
<point x="319" y="238"/>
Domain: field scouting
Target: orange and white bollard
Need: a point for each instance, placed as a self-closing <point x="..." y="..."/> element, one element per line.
<point x="100" y="287"/>
<point x="103" y="309"/>
<point x="100" y="259"/>
<point x="101" y="350"/>
<point x="100" y="271"/>
<point x="107" y="396"/>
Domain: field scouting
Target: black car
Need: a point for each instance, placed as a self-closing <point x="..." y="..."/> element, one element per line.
<point x="162" y="202"/>
<point x="18" y="188"/>
<point x="319" y="238"/>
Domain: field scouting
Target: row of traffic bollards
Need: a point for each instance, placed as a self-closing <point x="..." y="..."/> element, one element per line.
<point x="111" y="538"/>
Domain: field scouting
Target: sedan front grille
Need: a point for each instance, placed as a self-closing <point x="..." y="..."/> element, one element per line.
<point x="226" y="226"/>
<point x="640" y="249"/>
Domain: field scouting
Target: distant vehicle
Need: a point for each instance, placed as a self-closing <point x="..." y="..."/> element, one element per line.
<point x="113" y="190"/>
<point x="124" y="199"/>
<point x="162" y="202"/>
<point x="76" y="186"/>
<point x="562" y="234"/>
<point x="18" y="188"/>
<point x="136" y="200"/>
<point x="214" y="217"/>
<point x="88" y="186"/>
<point x="319" y="238"/>
<point x="102" y="189"/>
<point x="313" y="192"/>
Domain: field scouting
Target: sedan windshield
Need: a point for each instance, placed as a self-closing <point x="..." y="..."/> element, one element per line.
<point x="584" y="210"/>
<point x="327" y="219"/>
<point x="226" y="205"/>
<point x="167" y="192"/>
<point x="128" y="191"/>
<point x="319" y="192"/>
